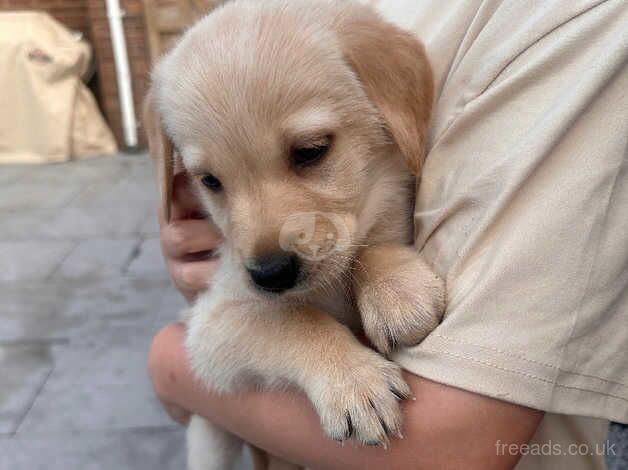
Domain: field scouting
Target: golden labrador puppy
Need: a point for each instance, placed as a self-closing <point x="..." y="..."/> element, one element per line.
<point x="302" y="124"/>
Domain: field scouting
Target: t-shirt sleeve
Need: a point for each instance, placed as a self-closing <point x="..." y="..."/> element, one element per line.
<point x="523" y="209"/>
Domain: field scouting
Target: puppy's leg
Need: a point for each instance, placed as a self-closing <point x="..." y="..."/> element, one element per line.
<point x="209" y="447"/>
<point x="401" y="300"/>
<point x="354" y="390"/>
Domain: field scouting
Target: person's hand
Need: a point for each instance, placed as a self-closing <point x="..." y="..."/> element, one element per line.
<point x="188" y="241"/>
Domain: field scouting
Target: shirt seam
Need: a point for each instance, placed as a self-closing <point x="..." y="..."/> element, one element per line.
<point x="524" y="374"/>
<point x="527" y="359"/>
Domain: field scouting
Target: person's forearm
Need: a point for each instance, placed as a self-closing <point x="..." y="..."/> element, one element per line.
<point x="445" y="427"/>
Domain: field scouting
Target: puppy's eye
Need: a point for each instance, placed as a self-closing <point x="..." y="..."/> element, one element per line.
<point x="310" y="154"/>
<point x="212" y="183"/>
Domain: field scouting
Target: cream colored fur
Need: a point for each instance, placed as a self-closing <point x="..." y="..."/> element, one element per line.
<point x="243" y="87"/>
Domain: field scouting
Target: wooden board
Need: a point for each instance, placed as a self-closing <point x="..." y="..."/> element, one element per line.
<point x="166" y="19"/>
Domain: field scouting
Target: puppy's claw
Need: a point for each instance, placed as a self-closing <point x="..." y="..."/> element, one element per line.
<point x="381" y="420"/>
<point x="397" y="313"/>
<point x="362" y="400"/>
<point x="391" y="340"/>
<point x="399" y="395"/>
<point x="349" y="426"/>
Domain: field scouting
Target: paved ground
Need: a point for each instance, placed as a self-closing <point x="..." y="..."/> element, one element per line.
<point x="82" y="291"/>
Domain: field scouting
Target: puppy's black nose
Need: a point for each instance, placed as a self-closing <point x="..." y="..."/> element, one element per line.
<point x="276" y="273"/>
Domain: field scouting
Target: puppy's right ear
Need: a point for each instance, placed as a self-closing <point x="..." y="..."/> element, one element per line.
<point x="162" y="152"/>
<point x="394" y="70"/>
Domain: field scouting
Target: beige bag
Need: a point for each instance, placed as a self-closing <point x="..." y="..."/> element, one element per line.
<point x="47" y="114"/>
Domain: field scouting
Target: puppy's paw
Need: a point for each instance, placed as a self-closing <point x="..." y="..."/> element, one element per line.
<point x="402" y="308"/>
<point x="361" y="400"/>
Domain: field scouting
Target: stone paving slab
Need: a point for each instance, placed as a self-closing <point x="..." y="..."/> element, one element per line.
<point x="38" y="196"/>
<point x="97" y="258"/>
<point x="74" y="223"/>
<point x="12" y="173"/>
<point x="99" y="382"/>
<point x="20" y="226"/>
<point x="150" y="227"/>
<point x="131" y="449"/>
<point x="25" y="368"/>
<point x="81" y="171"/>
<point x="129" y="189"/>
<point x="26" y="261"/>
<point x="61" y="309"/>
<point x="149" y="259"/>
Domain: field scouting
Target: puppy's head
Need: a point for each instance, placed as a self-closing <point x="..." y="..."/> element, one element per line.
<point x="295" y="119"/>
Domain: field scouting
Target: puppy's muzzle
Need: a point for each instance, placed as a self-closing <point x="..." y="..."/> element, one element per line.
<point x="275" y="273"/>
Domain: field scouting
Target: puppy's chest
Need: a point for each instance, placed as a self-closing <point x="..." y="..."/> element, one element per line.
<point x="339" y="302"/>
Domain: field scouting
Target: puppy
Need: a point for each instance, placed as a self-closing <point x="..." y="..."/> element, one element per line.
<point x="302" y="125"/>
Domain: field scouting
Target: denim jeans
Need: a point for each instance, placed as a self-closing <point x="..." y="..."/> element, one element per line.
<point x="618" y="455"/>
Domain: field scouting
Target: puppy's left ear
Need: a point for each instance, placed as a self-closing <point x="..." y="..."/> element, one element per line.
<point x="161" y="150"/>
<point x="396" y="75"/>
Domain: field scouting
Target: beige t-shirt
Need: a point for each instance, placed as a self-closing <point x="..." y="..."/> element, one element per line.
<point x="523" y="209"/>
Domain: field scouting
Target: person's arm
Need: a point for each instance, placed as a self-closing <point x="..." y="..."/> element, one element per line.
<point x="444" y="427"/>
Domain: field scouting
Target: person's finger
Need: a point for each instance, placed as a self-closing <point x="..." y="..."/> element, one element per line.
<point x="193" y="277"/>
<point x="185" y="204"/>
<point x="183" y="237"/>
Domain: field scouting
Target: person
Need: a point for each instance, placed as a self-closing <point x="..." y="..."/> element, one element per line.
<point x="522" y="209"/>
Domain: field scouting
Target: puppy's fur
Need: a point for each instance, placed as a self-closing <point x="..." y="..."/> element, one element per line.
<point x="244" y="88"/>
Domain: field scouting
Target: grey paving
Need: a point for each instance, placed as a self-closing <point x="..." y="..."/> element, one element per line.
<point x="11" y="174"/>
<point x="25" y="368"/>
<point x="150" y="227"/>
<point x="137" y="449"/>
<point x="38" y="196"/>
<point x="32" y="260"/>
<point x="82" y="292"/>
<point x="148" y="259"/>
<point x="98" y="257"/>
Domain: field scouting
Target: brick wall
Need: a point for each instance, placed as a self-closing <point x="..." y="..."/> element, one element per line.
<point x="90" y="17"/>
<point x="72" y="13"/>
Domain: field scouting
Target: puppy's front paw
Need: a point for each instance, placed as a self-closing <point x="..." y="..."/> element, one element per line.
<point x="361" y="399"/>
<point x="402" y="308"/>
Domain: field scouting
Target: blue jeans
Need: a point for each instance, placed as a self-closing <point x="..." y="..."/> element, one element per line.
<point x="618" y="435"/>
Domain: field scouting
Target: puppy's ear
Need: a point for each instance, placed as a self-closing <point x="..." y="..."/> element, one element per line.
<point x="396" y="75"/>
<point x="161" y="151"/>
